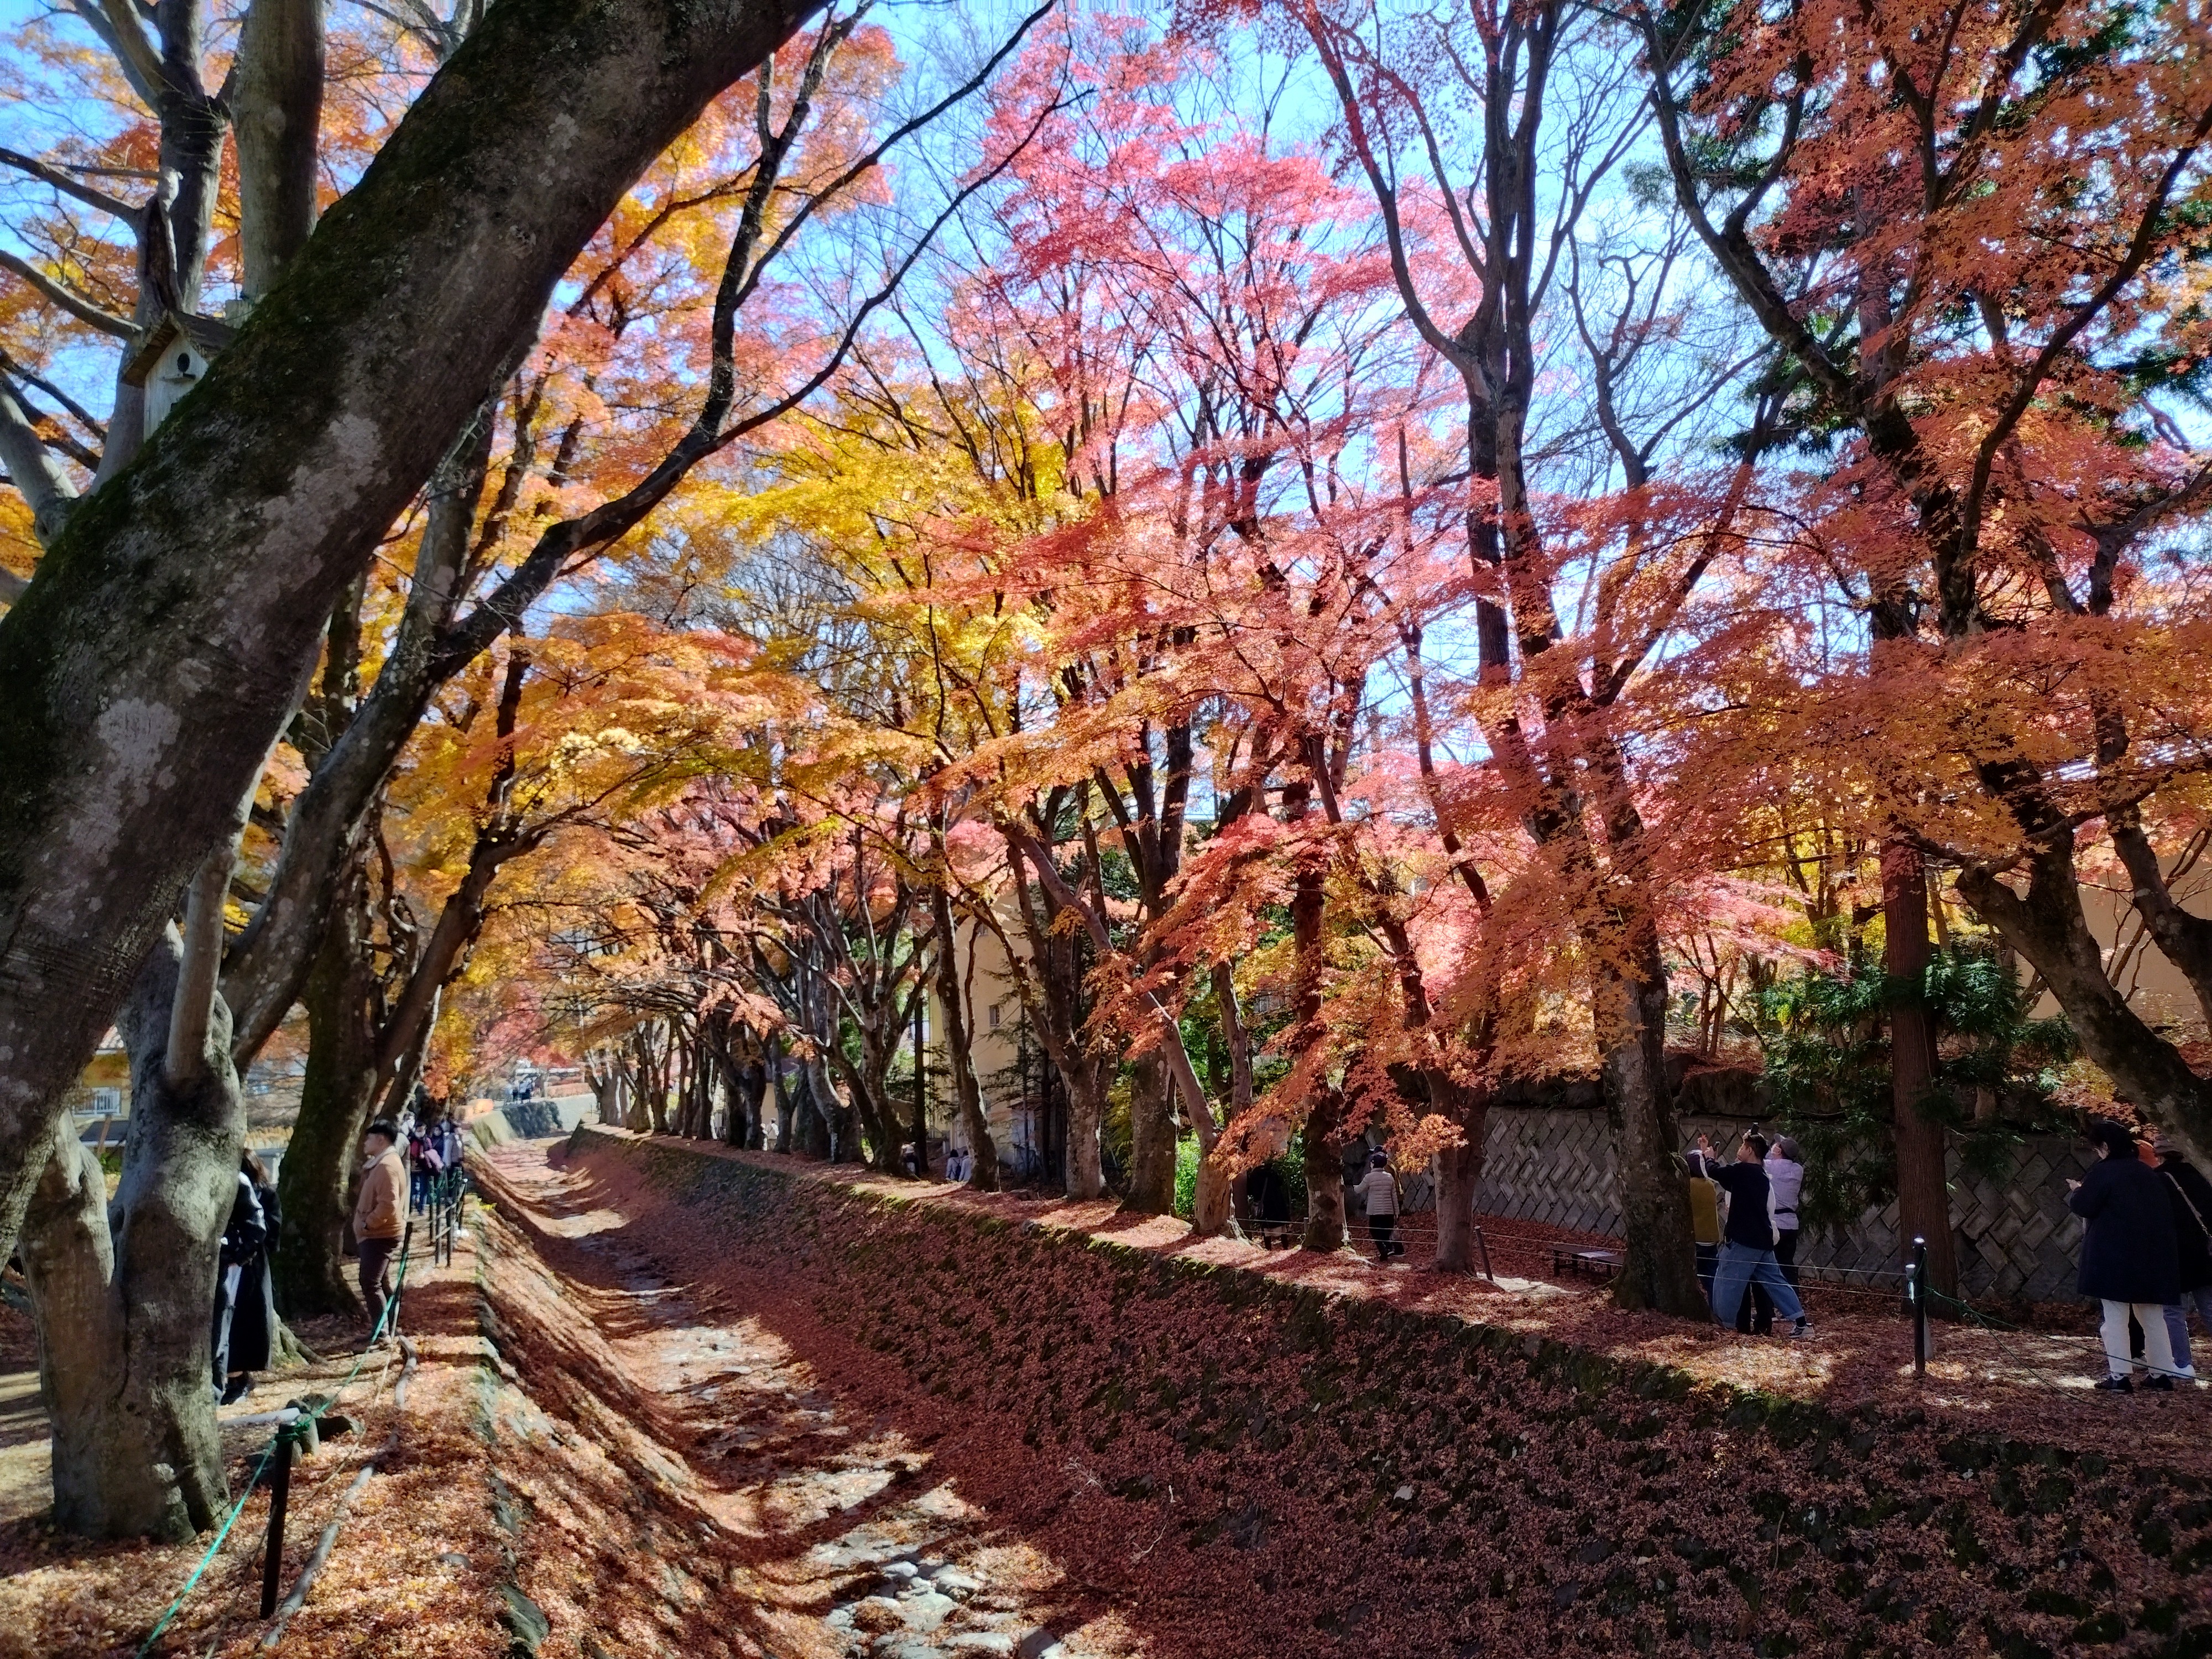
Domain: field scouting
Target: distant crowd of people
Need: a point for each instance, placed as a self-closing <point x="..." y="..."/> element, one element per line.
<point x="2146" y="1253"/>
<point x="400" y="1160"/>
<point x="432" y="1149"/>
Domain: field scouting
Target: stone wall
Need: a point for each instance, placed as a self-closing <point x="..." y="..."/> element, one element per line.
<point x="2016" y="1237"/>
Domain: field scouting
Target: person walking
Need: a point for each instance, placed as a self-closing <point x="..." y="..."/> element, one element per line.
<point x="2130" y="1257"/>
<point x="1785" y="1173"/>
<point x="245" y="1290"/>
<point x="1378" y="1195"/>
<point x="2190" y="1197"/>
<point x="1746" y="1252"/>
<point x="377" y="1215"/>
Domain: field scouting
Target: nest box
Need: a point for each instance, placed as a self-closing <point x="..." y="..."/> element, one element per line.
<point x="170" y="356"/>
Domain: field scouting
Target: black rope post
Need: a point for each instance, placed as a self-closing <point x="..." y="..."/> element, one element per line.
<point x="1482" y="1245"/>
<point x="280" y="1497"/>
<point x="1915" y="1292"/>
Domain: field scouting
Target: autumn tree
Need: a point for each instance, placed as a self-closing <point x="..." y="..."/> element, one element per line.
<point x="1973" y="235"/>
<point x="274" y="961"/>
<point x="1485" y="138"/>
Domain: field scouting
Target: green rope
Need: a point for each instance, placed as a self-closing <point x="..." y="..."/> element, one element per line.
<point x="236" y="1509"/>
<point x="284" y="1433"/>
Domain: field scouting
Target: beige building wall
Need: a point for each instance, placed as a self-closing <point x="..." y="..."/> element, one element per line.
<point x="2153" y="987"/>
<point x="992" y="1007"/>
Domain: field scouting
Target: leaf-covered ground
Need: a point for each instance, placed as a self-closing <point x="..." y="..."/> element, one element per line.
<point x="676" y="1401"/>
<point x="412" y="1574"/>
<point x="1282" y="1460"/>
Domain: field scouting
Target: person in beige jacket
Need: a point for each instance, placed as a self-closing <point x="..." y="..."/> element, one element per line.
<point x="377" y="1215"/>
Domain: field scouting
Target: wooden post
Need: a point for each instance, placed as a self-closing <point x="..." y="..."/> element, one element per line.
<point x="280" y="1495"/>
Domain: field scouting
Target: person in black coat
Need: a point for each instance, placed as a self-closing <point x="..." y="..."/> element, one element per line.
<point x="1269" y="1198"/>
<point x="244" y="1288"/>
<point x="2129" y="1256"/>
<point x="2191" y="1198"/>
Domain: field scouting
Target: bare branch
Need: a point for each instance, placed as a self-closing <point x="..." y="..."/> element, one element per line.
<point x="91" y="195"/>
<point x="83" y="310"/>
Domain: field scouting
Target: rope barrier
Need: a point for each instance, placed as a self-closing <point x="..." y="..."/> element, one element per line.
<point x="1894" y="1291"/>
<point x="1998" y="1328"/>
<point x="285" y="1433"/>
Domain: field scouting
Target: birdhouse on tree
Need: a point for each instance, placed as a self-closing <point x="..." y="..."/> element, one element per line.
<point x="170" y="357"/>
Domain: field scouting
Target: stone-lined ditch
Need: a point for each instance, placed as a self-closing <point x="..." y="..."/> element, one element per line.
<point x="1245" y="1467"/>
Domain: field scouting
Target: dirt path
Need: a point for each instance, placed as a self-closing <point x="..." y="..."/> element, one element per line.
<point x="766" y="1511"/>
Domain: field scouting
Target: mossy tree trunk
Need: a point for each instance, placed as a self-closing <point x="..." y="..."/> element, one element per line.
<point x="1152" y="1138"/>
<point x="122" y="1293"/>
<point x="1923" y="1193"/>
<point x="959" y="1059"/>
<point x="150" y="663"/>
<point x="1630" y="1004"/>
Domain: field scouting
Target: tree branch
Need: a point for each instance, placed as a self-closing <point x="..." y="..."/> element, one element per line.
<point x="33" y="470"/>
<point x="83" y="310"/>
<point x="91" y="195"/>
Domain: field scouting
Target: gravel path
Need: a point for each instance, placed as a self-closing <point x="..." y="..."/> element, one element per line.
<point x="842" y="1539"/>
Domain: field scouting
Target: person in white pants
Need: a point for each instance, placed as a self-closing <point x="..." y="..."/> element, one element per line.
<point x="2128" y="1255"/>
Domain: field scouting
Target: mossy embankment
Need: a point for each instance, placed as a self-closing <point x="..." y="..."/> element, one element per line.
<point x="1286" y="1471"/>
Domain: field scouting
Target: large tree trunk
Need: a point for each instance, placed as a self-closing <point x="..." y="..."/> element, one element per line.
<point x="2047" y="927"/>
<point x="150" y="663"/>
<point x="1324" y="1124"/>
<point x="604" y="1078"/>
<point x="813" y="1129"/>
<point x="780" y="1074"/>
<point x="756" y="1082"/>
<point x="921" y="1081"/>
<point x="1060" y="1027"/>
<point x="1661" y="1269"/>
<point x="1213" y="1200"/>
<point x="1459" y="1169"/>
<point x="868" y="1085"/>
<point x="748" y="1089"/>
<point x="1152" y="1138"/>
<point x="327" y="826"/>
<point x="279" y="104"/>
<point x="1923" y="1194"/>
<point x="313" y="1181"/>
<point x="123" y="1293"/>
<point x="1085" y="1174"/>
<point x="1324" y="1166"/>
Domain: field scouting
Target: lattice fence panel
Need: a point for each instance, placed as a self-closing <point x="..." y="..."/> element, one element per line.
<point x="2014" y="1235"/>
